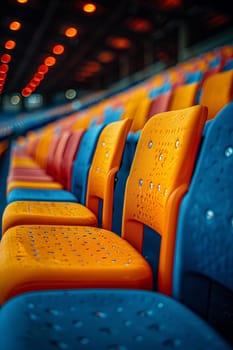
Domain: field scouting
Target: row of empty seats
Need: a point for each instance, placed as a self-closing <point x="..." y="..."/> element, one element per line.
<point x="117" y="233"/>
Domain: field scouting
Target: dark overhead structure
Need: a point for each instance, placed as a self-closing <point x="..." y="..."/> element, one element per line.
<point x="49" y="47"/>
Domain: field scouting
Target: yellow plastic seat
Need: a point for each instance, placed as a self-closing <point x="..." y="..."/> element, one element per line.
<point x="40" y="257"/>
<point x="184" y="96"/>
<point x="141" y="114"/>
<point x="101" y="180"/>
<point x="217" y="92"/>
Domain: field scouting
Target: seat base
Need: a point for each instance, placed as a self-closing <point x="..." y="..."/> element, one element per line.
<point x="39" y="257"/>
<point x="26" y="194"/>
<point x="103" y="319"/>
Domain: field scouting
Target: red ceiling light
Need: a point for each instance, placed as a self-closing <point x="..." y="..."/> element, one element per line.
<point x="218" y="20"/>
<point x="34" y="83"/>
<point x="106" y="56"/>
<point x="42" y="69"/>
<point x="58" y="49"/>
<point x="139" y="25"/>
<point x="2" y="76"/>
<point x="83" y="74"/>
<point x="15" y="25"/>
<point x="10" y="44"/>
<point x="38" y="76"/>
<point x="92" y="67"/>
<point x="169" y="4"/>
<point x="71" y="32"/>
<point x="4" y="68"/>
<point x="50" y="61"/>
<point x="26" y="92"/>
<point x="119" y="43"/>
<point x="5" y="58"/>
<point x="22" y="1"/>
<point x="89" y="7"/>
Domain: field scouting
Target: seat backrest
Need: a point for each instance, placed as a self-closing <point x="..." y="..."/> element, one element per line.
<point x="43" y="145"/>
<point x="193" y="77"/>
<point x="160" y="103"/>
<point x="120" y="180"/>
<point x="68" y="158"/>
<point x="141" y="114"/>
<point x="217" y="92"/>
<point x="51" y="151"/>
<point x="183" y="96"/>
<point x="82" y="162"/>
<point x="104" y="166"/>
<point x="228" y="65"/>
<point x="58" y="156"/>
<point x="159" y="177"/>
<point x="203" y="268"/>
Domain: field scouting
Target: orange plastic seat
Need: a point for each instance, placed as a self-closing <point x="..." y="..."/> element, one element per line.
<point x="39" y="257"/>
<point x="184" y="96"/>
<point x="141" y="114"/>
<point x="106" y="163"/>
<point x="217" y="92"/>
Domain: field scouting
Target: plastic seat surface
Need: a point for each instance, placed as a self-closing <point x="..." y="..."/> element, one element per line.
<point x="204" y="258"/>
<point x="32" y="194"/>
<point x="184" y="96"/>
<point x="217" y="92"/>
<point x="81" y="256"/>
<point x="100" y="185"/>
<point x="83" y="161"/>
<point x="102" y="319"/>
<point x="69" y="157"/>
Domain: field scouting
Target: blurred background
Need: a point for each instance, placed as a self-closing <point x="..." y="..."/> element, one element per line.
<point x="54" y="52"/>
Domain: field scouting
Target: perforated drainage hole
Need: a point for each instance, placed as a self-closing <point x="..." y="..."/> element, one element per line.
<point x="144" y="313"/>
<point x="105" y="330"/>
<point x="172" y="342"/>
<point x="55" y="327"/>
<point x="77" y="324"/>
<point x="59" y="344"/>
<point x="154" y="327"/>
<point x="83" y="340"/>
<point x="53" y="312"/>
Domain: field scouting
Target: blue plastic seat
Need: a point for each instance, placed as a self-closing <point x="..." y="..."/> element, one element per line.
<point x="103" y="319"/>
<point x="193" y="77"/>
<point x="203" y="269"/>
<point x="83" y="161"/>
<point x="121" y="178"/>
<point x="228" y="65"/>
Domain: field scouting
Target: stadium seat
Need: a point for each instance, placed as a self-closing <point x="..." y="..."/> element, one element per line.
<point x="217" y="92"/>
<point x="85" y="256"/>
<point x="104" y="166"/>
<point x="160" y="103"/>
<point x="203" y="266"/>
<point x="183" y="96"/>
<point x="103" y="319"/>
